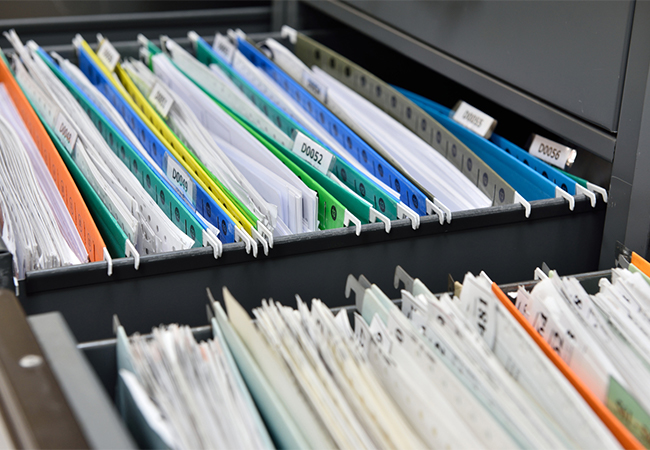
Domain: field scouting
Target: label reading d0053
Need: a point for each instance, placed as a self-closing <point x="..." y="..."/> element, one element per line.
<point x="552" y="152"/>
<point x="65" y="132"/>
<point x="314" y="86"/>
<point x="179" y="178"/>
<point x="474" y="119"/>
<point x="313" y="153"/>
<point x="161" y="100"/>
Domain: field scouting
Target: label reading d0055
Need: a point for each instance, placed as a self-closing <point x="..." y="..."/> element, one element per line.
<point x="313" y="153"/>
<point x="474" y="119"/>
<point x="552" y="152"/>
<point x="179" y="178"/>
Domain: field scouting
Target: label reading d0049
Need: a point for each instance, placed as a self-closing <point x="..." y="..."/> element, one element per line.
<point x="474" y="119"/>
<point x="313" y="153"/>
<point x="65" y="132"/>
<point x="552" y="152"/>
<point x="179" y="178"/>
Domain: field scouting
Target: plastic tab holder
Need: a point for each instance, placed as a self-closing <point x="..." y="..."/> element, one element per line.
<point x="73" y="199"/>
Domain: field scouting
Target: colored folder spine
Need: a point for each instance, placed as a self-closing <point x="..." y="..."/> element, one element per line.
<point x="73" y="199"/>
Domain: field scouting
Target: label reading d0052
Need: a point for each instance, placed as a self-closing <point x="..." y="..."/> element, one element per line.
<point x="179" y="178"/>
<point x="552" y="152"/>
<point x="313" y="153"/>
<point x="474" y="119"/>
<point x="161" y="100"/>
<point x="65" y="132"/>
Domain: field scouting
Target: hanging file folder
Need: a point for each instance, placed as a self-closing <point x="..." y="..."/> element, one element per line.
<point x="407" y="113"/>
<point x="54" y="161"/>
<point x="152" y="140"/>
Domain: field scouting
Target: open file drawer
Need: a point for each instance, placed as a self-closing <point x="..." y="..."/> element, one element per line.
<point x="167" y="286"/>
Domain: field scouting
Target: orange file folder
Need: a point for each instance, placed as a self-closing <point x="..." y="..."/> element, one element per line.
<point x="88" y="231"/>
<point x="619" y="431"/>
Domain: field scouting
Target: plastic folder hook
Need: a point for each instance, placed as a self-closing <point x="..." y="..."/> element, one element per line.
<point x="352" y="284"/>
<point x="376" y="215"/>
<point x="266" y="233"/>
<point x="258" y="236"/>
<point x="130" y="250"/>
<point x="288" y="32"/>
<point x="404" y="277"/>
<point x="433" y="208"/>
<point x="598" y="189"/>
<point x="539" y="274"/>
<point x="241" y="235"/>
<point x="211" y="240"/>
<point x="522" y="201"/>
<point x="349" y="217"/>
<point x="590" y="195"/>
<point x="116" y="323"/>
<point x="109" y="261"/>
<point x="404" y="212"/>
<point x="559" y="192"/>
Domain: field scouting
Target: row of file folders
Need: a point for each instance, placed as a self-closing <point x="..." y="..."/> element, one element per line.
<point x="545" y="367"/>
<point x="235" y="142"/>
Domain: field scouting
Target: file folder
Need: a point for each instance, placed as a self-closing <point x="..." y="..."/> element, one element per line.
<point x="152" y="141"/>
<point x="626" y="439"/>
<point x="54" y="160"/>
<point x="165" y="196"/>
<point x="407" y="113"/>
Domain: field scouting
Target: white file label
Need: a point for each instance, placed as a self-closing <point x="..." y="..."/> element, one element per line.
<point x="65" y="132"/>
<point x="108" y="55"/>
<point x="474" y="119"/>
<point x="180" y="178"/>
<point x="224" y="48"/>
<point x="313" y="153"/>
<point x="161" y="100"/>
<point x="552" y="152"/>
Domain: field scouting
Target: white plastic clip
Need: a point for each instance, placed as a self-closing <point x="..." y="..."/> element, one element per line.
<point x="193" y="37"/>
<point x="241" y="235"/>
<point x="288" y="32"/>
<point x="109" y="261"/>
<point x="525" y="203"/>
<point x="349" y="217"/>
<point x="559" y="192"/>
<point x="131" y="251"/>
<point x="598" y="189"/>
<point x="404" y="212"/>
<point x="539" y="274"/>
<point x="16" y="287"/>
<point x="364" y="282"/>
<point x="258" y="236"/>
<point x="588" y="193"/>
<point x="100" y="38"/>
<point x="58" y="58"/>
<point x="405" y="278"/>
<point x="433" y="208"/>
<point x="164" y="40"/>
<point x="232" y="35"/>
<point x="142" y="40"/>
<point x="209" y="239"/>
<point x="352" y="284"/>
<point x="442" y="206"/>
<point x="266" y="233"/>
<point x="376" y="215"/>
